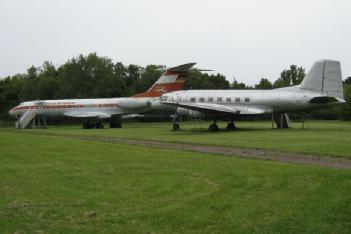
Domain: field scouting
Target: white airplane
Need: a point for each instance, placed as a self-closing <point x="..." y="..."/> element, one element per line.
<point x="94" y="111"/>
<point x="322" y="87"/>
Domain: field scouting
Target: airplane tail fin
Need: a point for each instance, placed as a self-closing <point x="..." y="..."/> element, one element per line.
<point x="324" y="78"/>
<point x="172" y="79"/>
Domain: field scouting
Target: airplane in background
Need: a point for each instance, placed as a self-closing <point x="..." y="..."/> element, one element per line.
<point x="322" y="87"/>
<point x="94" y="111"/>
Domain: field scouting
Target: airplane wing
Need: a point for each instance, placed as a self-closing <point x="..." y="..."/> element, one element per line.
<point x="212" y="107"/>
<point x="88" y="114"/>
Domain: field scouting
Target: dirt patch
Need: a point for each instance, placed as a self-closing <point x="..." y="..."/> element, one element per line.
<point x="280" y="156"/>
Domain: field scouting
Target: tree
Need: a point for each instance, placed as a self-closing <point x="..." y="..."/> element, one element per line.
<point x="346" y="108"/>
<point x="264" y="84"/>
<point x="32" y="72"/>
<point x="289" y="77"/>
<point x="348" y="80"/>
<point x="279" y="83"/>
<point x="149" y="76"/>
<point x="48" y="70"/>
<point x="132" y="78"/>
<point x="195" y="80"/>
<point x="217" y="81"/>
<point x="237" y="85"/>
<point x="199" y="80"/>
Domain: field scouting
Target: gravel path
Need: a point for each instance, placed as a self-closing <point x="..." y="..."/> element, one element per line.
<point x="280" y="156"/>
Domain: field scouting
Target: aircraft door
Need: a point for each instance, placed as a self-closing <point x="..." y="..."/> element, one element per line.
<point x="39" y="107"/>
<point x="176" y="98"/>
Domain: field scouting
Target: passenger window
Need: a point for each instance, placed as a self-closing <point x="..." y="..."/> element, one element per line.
<point x="210" y="99"/>
<point x="219" y="99"/>
<point x="247" y="99"/>
<point x="228" y="100"/>
<point x="193" y="99"/>
<point x="237" y="99"/>
<point x="202" y="99"/>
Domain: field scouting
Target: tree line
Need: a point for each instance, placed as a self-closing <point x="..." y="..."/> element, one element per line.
<point x="94" y="76"/>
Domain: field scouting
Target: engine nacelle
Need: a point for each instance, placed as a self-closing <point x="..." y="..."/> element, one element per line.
<point x="132" y="103"/>
<point x="191" y="113"/>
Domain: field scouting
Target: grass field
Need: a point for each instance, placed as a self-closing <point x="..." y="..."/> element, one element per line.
<point x="53" y="184"/>
<point x="321" y="138"/>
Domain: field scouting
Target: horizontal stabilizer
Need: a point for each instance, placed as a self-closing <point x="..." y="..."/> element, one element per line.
<point x="181" y="68"/>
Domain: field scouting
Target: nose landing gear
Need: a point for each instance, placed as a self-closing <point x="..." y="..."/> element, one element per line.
<point x="115" y="123"/>
<point x="231" y="126"/>
<point x="90" y="125"/>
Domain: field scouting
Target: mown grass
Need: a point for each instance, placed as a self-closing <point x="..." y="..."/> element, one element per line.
<point x="57" y="185"/>
<point x="321" y="138"/>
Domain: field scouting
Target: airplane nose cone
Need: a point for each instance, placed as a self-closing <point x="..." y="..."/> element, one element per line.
<point x="12" y="111"/>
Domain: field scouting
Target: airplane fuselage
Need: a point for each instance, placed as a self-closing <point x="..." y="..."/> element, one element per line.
<point x="247" y="102"/>
<point x="106" y="107"/>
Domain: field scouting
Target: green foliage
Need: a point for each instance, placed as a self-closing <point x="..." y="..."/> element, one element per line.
<point x="346" y="109"/>
<point x="264" y="84"/>
<point x="149" y="76"/>
<point x="237" y="85"/>
<point x="198" y="80"/>
<point x="288" y="77"/>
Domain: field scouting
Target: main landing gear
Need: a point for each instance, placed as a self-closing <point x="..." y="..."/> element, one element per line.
<point x="231" y="126"/>
<point x="213" y="126"/>
<point x="176" y="125"/>
<point x="90" y="125"/>
<point x="115" y="124"/>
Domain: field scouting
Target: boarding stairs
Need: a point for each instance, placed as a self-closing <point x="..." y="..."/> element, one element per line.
<point x="26" y="118"/>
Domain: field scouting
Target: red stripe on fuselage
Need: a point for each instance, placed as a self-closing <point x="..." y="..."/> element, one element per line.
<point x="64" y="106"/>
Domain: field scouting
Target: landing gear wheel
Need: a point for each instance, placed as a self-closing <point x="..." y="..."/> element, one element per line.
<point x="231" y="126"/>
<point x="176" y="127"/>
<point x="99" y="125"/>
<point x="115" y="125"/>
<point x="213" y="127"/>
<point x="85" y="125"/>
<point x="88" y="125"/>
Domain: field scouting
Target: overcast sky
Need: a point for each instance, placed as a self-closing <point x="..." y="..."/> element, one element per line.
<point x="244" y="39"/>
